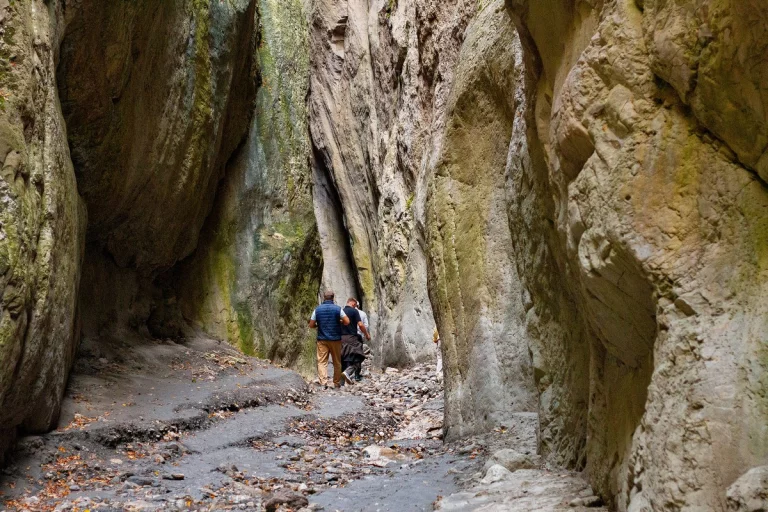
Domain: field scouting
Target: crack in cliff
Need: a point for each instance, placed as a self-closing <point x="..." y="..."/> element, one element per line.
<point x="703" y="129"/>
<point x="328" y="200"/>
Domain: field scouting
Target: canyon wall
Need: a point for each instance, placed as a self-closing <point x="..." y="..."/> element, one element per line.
<point x="255" y="276"/>
<point x="156" y="97"/>
<point x="42" y="224"/>
<point x="380" y="77"/>
<point x="645" y="136"/>
<point x="180" y="127"/>
<point x="591" y="205"/>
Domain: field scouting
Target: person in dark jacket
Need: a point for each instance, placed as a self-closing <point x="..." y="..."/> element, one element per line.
<point x="352" y="355"/>
<point x="328" y="319"/>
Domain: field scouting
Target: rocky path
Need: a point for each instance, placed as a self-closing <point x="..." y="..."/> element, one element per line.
<point x="164" y="426"/>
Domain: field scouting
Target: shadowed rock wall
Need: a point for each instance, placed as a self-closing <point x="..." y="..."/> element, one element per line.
<point x="156" y="97"/>
<point x="197" y="188"/>
<point x="255" y="277"/>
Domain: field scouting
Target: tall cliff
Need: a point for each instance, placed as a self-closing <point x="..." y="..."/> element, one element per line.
<point x="645" y="135"/>
<point x="590" y="200"/>
<point x="42" y="224"/>
<point x="180" y="127"/>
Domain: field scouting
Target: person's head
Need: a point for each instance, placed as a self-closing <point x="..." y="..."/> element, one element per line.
<point x="351" y="302"/>
<point x="328" y="295"/>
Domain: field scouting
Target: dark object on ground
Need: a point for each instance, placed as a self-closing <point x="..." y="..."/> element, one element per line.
<point x="291" y="499"/>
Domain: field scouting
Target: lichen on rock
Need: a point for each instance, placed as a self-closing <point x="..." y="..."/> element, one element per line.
<point x="42" y="223"/>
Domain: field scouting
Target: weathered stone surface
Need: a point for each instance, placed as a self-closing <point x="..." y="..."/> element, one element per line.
<point x="496" y="473"/>
<point x="255" y="277"/>
<point x="380" y="77"/>
<point x="620" y="254"/>
<point x="579" y="205"/>
<point x="713" y="52"/>
<point x="474" y="286"/>
<point x="156" y="97"/>
<point x="42" y="224"/>
<point x="657" y="234"/>
<point x="511" y="459"/>
<point x="750" y="492"/>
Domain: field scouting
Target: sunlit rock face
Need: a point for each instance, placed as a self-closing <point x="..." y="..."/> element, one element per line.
<point x="381" y="74"/>
<point x="585" y="205"/>
<point x="644" y="146"/>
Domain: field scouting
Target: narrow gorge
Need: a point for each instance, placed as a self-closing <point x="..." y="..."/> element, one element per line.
<point x="574" y="193"/>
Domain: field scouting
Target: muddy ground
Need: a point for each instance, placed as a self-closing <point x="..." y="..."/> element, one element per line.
<point x="198" y="426"/>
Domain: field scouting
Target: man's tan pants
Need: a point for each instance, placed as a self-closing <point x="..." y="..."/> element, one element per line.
<point x="324" y="349"/>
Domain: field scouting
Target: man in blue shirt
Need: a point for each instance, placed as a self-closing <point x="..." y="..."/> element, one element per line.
<point x="328" y="319"/>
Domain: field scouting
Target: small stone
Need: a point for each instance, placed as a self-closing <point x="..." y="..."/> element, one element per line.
<point x="589" y="501"/>
<point x="141" y="480"/>
<point x="288" y="498"/>
<point x="511" y="459"/>
<point x="495" y="474"/>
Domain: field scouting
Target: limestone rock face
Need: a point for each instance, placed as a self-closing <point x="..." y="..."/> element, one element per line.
<point x="380" y="77"/>
<point x="156" y="96"/>
<point x="474" y="285"/>
<point x="255" y="276"/>
<point x="588" y="203"/>
<point x="750" y="492"/>
<point x="197" y="189"/>
<point x="42" y="224"/>
<point x="642" y="152"/>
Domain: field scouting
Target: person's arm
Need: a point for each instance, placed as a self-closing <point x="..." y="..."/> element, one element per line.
<point x="344" y="318"/>
<point x="313" y="321"/>
<point x="364" y="330"/>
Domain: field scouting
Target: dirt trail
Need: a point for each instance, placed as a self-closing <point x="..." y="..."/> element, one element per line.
<point x="198" y="426"/>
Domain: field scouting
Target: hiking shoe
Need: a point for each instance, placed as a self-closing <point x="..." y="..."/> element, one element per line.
<point x="347" y="376"/>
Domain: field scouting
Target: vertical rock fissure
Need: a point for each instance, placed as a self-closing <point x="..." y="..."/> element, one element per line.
<point x="339" y="269"/>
